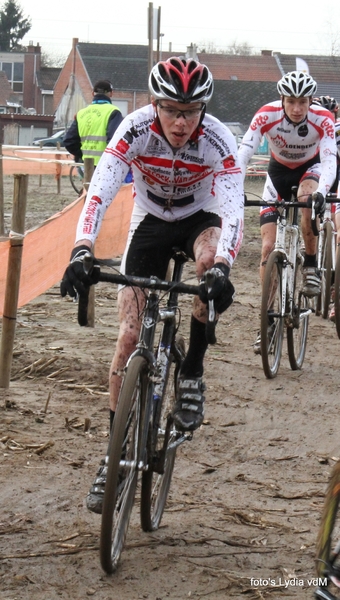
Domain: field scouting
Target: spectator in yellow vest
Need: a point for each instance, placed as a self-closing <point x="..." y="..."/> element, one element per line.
<point x="94" y="126"/>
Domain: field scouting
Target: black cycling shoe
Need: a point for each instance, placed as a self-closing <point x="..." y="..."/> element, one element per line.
<point x="94" y="499"/>
<point x="188" y="412"/>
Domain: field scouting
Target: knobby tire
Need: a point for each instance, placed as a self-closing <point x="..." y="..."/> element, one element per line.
<point x="324" y="297"/>
<point x="297" y="322"/>
<point x="124" y="455"/>
<point x="271" y="311"/>
<point x="328" y="540"/>
<point x="76" y="179"/>
<point x="337" y="294"/>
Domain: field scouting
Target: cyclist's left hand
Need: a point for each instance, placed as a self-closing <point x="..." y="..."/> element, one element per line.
<point x="319" y="202"/>
<point x="75" y="279"/>
<point x="222" y="290"/>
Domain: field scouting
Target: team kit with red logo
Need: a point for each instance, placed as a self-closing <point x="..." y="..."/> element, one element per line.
<point x="195" y="187"/>
<point x="298" y="150"/>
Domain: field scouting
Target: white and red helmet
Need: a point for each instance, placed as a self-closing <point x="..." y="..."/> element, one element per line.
<point x="180" y="79"/>
<point x="297" y="84"/>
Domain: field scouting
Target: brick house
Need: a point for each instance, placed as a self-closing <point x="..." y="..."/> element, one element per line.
<point x="242" y="83"/>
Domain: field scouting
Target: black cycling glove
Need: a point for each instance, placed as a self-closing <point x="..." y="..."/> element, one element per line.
<point x="319" y="202"/>
<point x="75" y="279"/>
<point x="222" y="290"/>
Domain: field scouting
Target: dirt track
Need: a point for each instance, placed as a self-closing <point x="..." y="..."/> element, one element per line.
<point x="247" y="491"/>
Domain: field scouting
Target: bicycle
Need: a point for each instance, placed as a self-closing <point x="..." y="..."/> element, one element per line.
<point x="144" y="439"/>
<point x="76" y="176"/>
<point x="326" y="253"/>
<point x="328" y="540"/>
<point x="283" y="305"/>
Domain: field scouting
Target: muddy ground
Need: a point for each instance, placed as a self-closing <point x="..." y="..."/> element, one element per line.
<point x="247" y="491"/>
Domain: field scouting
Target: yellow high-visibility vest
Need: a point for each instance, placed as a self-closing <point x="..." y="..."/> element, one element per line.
<point x="92" y="127"/>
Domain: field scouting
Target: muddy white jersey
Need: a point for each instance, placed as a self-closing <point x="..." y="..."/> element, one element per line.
<point x="170" y="184"/>
<point x="337" y="138"/>
<point x="292" y="144"/>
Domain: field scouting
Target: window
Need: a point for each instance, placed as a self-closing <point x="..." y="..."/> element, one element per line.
<point x="15" y="74"/>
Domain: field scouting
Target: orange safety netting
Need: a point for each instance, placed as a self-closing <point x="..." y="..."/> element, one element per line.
<point x="46" y="249"/>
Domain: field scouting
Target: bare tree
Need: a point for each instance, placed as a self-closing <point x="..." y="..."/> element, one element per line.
<point x="53" y="59"/>
<point x="235" y="48"/>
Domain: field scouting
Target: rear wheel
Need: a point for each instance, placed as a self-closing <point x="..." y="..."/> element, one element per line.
<point x="328" y="541"/>
<point x="271" y="316"/>
<point x="156" y="481"/>
<point x="124" y="456"/>
<point x="337" y="294"/>
<point x="297" y="324"/>
<point x="326" y="272"/>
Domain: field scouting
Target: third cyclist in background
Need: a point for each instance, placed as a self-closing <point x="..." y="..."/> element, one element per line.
<point x="301" y="139"/>
<point x="331" y="104"/>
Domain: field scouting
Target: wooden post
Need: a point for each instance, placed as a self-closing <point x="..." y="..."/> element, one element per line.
<point x="40" y="176"/>
<point x="58" y="169"/>
<point x="2" y="210"/>
<point x="88" y="172"/>
<point x="13" y="278"/>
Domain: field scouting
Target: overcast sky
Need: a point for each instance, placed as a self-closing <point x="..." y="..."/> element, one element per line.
<point x="312" y="28"/>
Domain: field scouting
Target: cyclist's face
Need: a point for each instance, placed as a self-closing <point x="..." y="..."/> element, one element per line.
<point x="296" y="109"/>
<point x="178" y="120"/>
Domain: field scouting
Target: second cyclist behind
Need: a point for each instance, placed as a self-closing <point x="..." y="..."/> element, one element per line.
<point x="301" y="139"/>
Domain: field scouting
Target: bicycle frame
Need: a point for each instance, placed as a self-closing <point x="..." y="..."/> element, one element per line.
<point x="287" y="245"/>
<point x="287" y="238"/>
<point x="158" y="366"/>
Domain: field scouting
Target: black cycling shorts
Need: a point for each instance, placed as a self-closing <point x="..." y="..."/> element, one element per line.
<point x="152" y="243"/>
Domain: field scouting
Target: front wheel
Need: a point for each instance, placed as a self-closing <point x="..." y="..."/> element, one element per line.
<point x="271" y="316"/>
<point x="297" y="321"/>
<point x="337" y="294"/>
<point x="122" y="471"/>
<point x="328" y="541"/>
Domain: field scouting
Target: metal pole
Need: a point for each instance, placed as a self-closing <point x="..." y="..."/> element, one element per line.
<point x="158" y="33"/>
<point x="150" y="34"/>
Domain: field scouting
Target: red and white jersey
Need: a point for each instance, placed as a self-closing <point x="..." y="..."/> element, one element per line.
<point x="170" y="184"/>
<point x="337" y="137"/>
<point x="292" y="144"/>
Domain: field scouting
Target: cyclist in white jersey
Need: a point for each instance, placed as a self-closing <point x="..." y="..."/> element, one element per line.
<point x="188" y="192"/>
<point x="332" y="105"/>
<point x="301" y="139"/>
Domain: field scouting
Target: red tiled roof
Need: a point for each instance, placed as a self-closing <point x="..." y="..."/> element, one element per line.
<point x="242" y="68"/>
<point x="226" y="67"/>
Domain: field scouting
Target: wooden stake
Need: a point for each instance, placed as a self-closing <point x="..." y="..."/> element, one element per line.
<point x="13" y="278"/>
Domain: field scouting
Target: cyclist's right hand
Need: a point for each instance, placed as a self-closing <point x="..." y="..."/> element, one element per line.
<point x="76" y="280"/>
<point x="222" y="290"/>
<point x="319" y="203"/>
